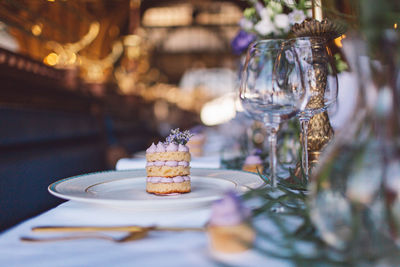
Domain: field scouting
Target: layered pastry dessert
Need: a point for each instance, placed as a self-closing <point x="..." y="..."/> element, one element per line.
<point x="229" y="227"/>
<point x="168" y="165"/>
<point x="253" y="163"/>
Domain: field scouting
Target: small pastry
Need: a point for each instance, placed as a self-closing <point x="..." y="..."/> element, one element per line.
<point x="229" y="229"/>
<point x="253" y="163"/>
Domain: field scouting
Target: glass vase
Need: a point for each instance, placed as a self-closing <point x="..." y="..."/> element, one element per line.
<point x="354" y="191"/>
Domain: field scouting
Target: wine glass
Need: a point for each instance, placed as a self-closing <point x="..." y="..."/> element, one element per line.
<point x="266" y="89"/>
<point x="318" y="79"/>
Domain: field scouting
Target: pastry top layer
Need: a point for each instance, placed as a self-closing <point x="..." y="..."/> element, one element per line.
<point x="168" y="156"/>
<point x="164" y="147"/>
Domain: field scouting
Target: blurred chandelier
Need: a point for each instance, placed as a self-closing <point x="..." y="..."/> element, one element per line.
<point x="96" y="70"/>
<point x="66" y="54"/>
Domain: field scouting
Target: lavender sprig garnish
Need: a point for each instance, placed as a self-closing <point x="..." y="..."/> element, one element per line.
<point x="178" y="137"/>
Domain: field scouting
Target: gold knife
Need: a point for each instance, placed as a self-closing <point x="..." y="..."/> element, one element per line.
<point x="128" y="228"/>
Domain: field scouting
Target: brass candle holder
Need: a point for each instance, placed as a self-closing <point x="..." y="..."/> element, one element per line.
<point x="319" y="130"/>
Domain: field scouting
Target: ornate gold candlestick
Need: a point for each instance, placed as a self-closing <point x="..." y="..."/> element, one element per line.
<point x="319" y="130"/>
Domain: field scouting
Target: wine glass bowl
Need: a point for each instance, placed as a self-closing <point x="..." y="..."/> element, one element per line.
<point x="266" y="89"/>
<point x="317" y="72"/>
<point x="318" y="80"/>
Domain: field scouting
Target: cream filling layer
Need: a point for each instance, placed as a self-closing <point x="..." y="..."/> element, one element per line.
<point x="169" y="163"/>
<point x="176" y="179"/>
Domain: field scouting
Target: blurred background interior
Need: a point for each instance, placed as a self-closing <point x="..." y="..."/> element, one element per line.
<point x="85" y="83"/>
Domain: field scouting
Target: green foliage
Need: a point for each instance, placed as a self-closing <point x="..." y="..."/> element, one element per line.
<point x="301" y="243"/>
<point x="376" y="20"/>
<point x="233" y="164"/>
<point x="341" y="65"/>
<point x="249" y="13"/>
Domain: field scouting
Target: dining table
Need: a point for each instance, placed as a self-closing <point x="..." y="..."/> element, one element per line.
<point x="157" y="248"/>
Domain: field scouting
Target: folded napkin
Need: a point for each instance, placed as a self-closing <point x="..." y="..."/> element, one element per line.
<point x="212" y="162"/>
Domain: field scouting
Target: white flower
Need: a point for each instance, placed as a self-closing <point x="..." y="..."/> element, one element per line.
<point x="296" y="16"/>
<point x="289" y="3"/>
<point x="275" y="6"/>
<point x="282" y="21"/>
<point x="266" y="13"/>
<point x="246" y="24"/>
<point x="264" y="27"/>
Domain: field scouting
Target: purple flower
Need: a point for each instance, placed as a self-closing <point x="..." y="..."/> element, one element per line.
<point x="178" y="137"/>
<point x="242" y="41"/>
<point x="256" y="152"/>
<point x="229" y="211"/>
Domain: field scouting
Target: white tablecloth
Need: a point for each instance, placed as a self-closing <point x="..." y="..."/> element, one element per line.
<point x="158" y="249"/>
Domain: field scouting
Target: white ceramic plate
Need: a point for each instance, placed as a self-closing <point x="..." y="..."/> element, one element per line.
<point x="127" y="189"/>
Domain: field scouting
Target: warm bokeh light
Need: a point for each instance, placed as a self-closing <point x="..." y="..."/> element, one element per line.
<point x="229" y="13"/>
<point x="338" y="41"/>
<point x="36" y="29"/>
<point x="178" y="15"/>
<point x="51" y="59"/>
<point x="219" y="110"/>
<point x="395" y="26"/>
<point x="132" y="40"/>
<point x="72" y="59"/>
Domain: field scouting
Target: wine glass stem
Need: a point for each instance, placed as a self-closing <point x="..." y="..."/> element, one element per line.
<point x="304" y="130"/>
<point x="271" y="130"/>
